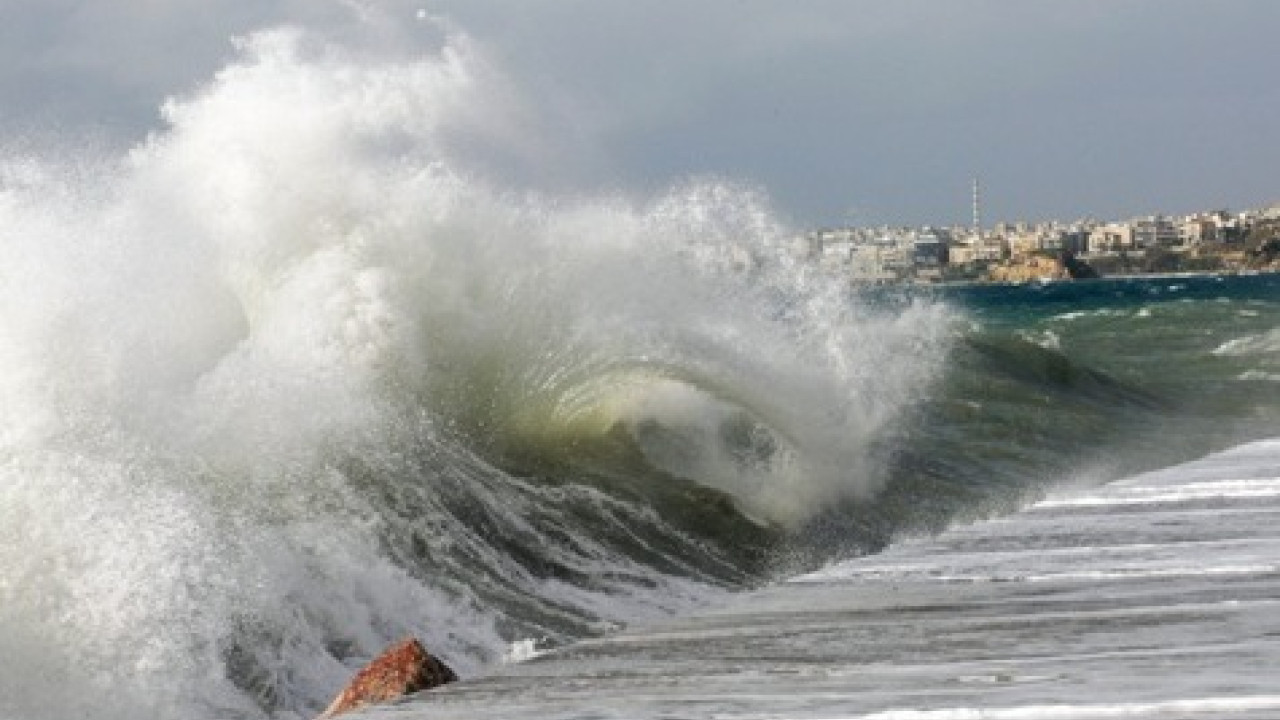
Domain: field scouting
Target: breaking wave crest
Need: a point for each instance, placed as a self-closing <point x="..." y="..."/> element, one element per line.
<point x="294" y="378"/>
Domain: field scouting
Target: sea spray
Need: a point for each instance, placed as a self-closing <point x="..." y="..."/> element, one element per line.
<point x="292" y="379"/>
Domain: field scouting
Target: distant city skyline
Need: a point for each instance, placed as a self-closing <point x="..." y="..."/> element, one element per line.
<point x="862" y="112"/>
<point x="993" y="224"/>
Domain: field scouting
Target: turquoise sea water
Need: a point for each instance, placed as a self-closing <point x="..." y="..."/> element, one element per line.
<point x="1081" y="382"/>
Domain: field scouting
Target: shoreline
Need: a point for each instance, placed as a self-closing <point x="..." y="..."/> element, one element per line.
<point x="909" y="284"/>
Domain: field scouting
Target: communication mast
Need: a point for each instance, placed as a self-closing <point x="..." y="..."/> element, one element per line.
<point x="977" y="208"/>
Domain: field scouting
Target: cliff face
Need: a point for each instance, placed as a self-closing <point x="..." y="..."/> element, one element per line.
<point x="1029" y="269"/>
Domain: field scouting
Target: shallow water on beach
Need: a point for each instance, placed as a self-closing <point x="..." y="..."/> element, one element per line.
<point x="1152" y="597"/>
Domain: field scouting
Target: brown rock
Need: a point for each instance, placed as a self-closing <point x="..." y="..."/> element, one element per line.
<point x="402" y="669"/>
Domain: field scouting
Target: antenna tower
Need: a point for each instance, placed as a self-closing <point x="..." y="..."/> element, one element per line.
<point x="977" y="208"/>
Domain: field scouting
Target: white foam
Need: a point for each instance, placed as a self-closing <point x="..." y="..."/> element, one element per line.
<point x="1189" y="707"/>
<point x="522" y="651"/>
<point x="1254" y="375"/>
<point x="1081" y="314"/>
<point x="1162" y="572"/>
<point x="1227" y="489"/>
<point x="1267" y="343"/>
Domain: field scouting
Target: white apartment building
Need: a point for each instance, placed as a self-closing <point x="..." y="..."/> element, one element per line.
<point x="1111" y="237"/>
<point x="1197" y="231"/>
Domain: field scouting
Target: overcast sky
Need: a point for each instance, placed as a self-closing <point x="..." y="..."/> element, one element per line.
<point x="845" y="111"/>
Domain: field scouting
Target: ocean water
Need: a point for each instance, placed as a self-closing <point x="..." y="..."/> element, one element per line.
<point x="298" y="376"/>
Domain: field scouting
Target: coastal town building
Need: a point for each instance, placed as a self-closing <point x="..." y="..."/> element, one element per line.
<point x="1110" y="238"/>
<point x="1022" y="252"/>
<point x="1196" y="231"/>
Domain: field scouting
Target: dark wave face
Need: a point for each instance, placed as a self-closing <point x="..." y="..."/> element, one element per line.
<point x="276" y="393"/>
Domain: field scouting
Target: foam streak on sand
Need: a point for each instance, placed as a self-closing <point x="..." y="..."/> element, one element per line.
<point x="1191" y="709"/>
<point x="1149" y="610"/>
<point x="1137" y="494"/>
